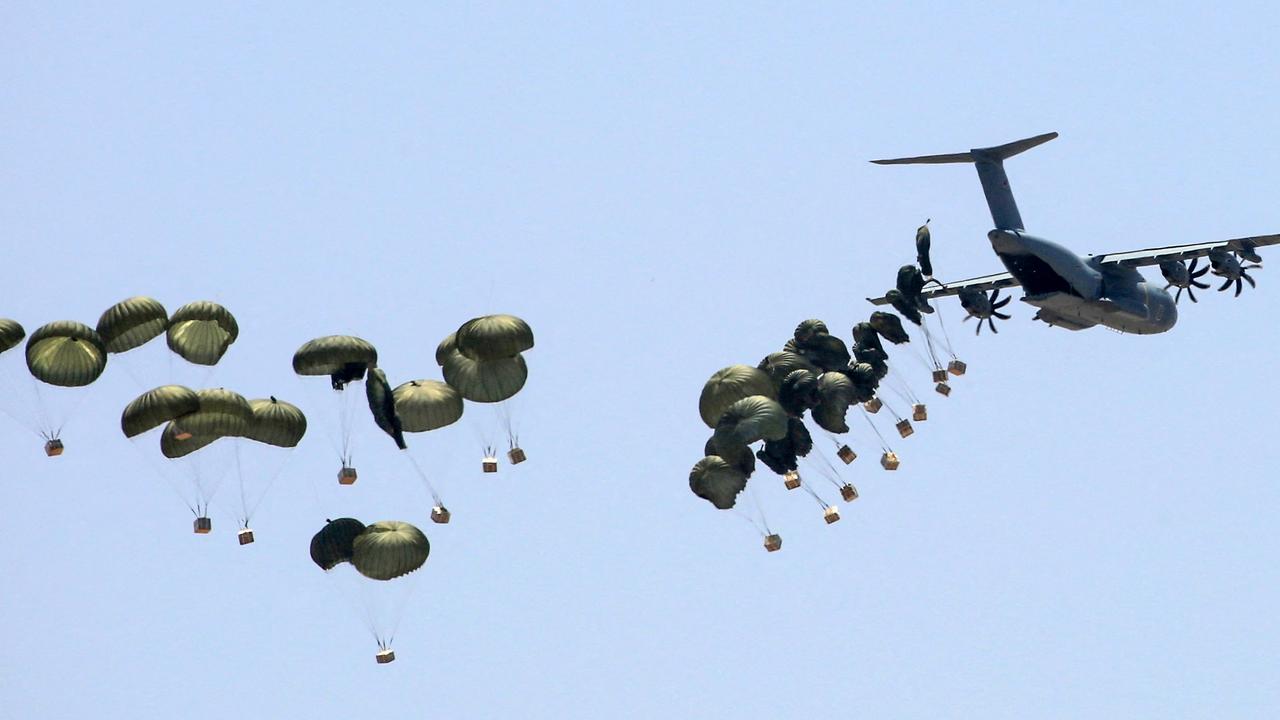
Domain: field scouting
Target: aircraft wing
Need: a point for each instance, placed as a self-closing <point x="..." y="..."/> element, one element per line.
<point x="1155" y="256"/>
<point x="984" y="283"/>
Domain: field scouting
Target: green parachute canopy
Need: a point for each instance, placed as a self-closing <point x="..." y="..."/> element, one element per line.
<point x="11" y="333"/>
<point x="750" y="420"/>
<point x="131" y="323"/>
<point x="780" y="364"/>
<point x="836" y="391"/>
<point x="222" y="413"/>
<point x="335" y="542"/>
<point x="890" y="327"/>
<point x="156" y="407"/>
<point x="382" y="405"/>
<point x="200" y="332"/>
<point x="424" y="405"/>
<point x="729" y="385"/>
<point x="389" y="549"/>
<point x="485" y="381"/>
<point x="176" y="442"/>
<point x="493" y="337"/>
<point x="276" y="422"/>
<point x="343" y="358"/>
<point x="715" y="480"/>
<point x="447" y="347"/>
<point x="66" y="353"/>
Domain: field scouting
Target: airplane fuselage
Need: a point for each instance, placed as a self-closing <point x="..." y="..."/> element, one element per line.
<point x="1077" y="292"/>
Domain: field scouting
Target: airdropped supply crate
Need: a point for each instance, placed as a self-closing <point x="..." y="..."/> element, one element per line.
<point x="489" y="464"/>
<point x="939" y="375"/>
<point x="919" y="412"/>
<point x="202" y="526"/>
<point x="516" y="456"/>
<point x="385" y="656"/>
<point x="904" y="428"/>
<point x="245" y="536"/>
<point x="831" y="514"/>
<point x="873" y="405"/>
<point x="346" y="476"/>
<point x="956" y="367"/>
<point x="440" y="514"/>
<point x="889" y="461"/>
<point x="846" y="454"/>
<point x="791" y="480"/>
<point x="773" y="543"/>
<point x="943" y="389"/>
<point x="53" y="448"/>
<point x="848" y="492"/>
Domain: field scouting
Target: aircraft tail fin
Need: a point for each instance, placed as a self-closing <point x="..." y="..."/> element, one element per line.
<point x="990" y="164"/>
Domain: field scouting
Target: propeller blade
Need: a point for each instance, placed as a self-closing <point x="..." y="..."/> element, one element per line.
<point x="1225" y="285"/>
<point x="1239" y="286"/>
<point x="1002" y="303"/>
<point x="1245" y="275"/>
<point x="1191" y="294"/>
<point x="992" y="323"/>
<point x="1177" y="296"/>
<point x="1199" y="284"/>
<point x="1191" y="269"/>
<point x="1001" y="315"/>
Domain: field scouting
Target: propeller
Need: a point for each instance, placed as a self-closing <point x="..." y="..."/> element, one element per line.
<point x="980" y="306"/>
<point x="1183" y="277"/>
<point x="1226" y="265"/>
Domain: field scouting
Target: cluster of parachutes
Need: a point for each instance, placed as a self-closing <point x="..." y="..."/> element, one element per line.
<point x="757" y="413"/>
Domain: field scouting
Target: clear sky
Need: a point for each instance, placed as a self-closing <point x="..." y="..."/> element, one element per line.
<point x="1085" y="528"/>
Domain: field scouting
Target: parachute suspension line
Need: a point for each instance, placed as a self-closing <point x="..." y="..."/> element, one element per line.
<point x="271" y="480"/>
<point x="423" y="476"/>
<point x="749" y="520"/>
<point x="42" y="416"/>
<point x="755" y="501"/>
<point x="821" y="503"/>
<point x="884" y="445"/>
<point x="503" y="411"/>
<point x="244" y="500"/>
<point x="397" y="613"/>
<point x="945" y="335"/>
<point x="346" y="413"/>
<point x="928" y="343"/>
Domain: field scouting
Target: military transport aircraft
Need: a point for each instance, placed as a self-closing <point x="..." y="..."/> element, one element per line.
<point x="1076" y="292"/>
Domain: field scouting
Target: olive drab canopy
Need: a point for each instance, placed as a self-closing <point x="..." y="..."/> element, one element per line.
<point x="424" y="405"/>
<point x="11" y="333"/>
<point x="389" y="549"/>
<point x="382" y="406"/>
<point x="780" y="364"/>
<point x="485" y="381"/>
<point x="276" y="422"/>
<point x="66" y="353"/>
<point x="131" y="323"/>
<point x="889" y="327"/>
<point x="335" y="542"/>
<point x="200" y="332"/>
<point x="752" y="419"/>
<point x="446" y="348"/>
<point x="799" y="392"/>
<point x="836" y="392"/>
<point x="222" y="413"/>
<point x="729" y="385"/>
<point x="717" y="481"/>
<point x="493" y="337"/>
<point x="332" y="353"/>
<point x="156" y="407"/>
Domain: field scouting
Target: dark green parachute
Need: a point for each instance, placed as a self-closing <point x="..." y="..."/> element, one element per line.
<point x="156" y="407"/>
<point x="866" y="338"/>
<point x="807" y="329"/>
<point x="176" y="442"/>
<point x="200" y="332"/>
<point x="447" y="347"/>
<point x="131" y="323"/>
<point x="222" y="413"/>
<point x="864" y="379"/>
<point x="66" y="353"/>
<point x="485" y="381"/>
<point x="335" y="542"/>
<point x="389" y="549"/>
<point x="493" y="337"/>
<point x="889" y="327"/>
<point x="904" y="305"/>
<point x="382" y="405"/>
<point x="799" y="392"/>
<point x="836" y="391"/>
<point x="780" y="364"/>
<point x="737" y="455"/>
<point x="922" y="250"/>
<point x="715" y="480"/>
<point x="729" y="385"/>
<point x="11" y="333"/>
<point x="783" y="454"/>
<point x="276" y="422"/>
<point x="344" y="358"/>
<point x="750" y="420"/>
<point x="424" y="405"/>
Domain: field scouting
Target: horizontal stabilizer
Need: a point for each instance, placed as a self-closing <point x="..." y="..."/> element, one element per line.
<point x="1000" y="152"/>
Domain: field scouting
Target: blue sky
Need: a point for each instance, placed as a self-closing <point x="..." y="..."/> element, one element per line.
<point x="1084" y="528"/>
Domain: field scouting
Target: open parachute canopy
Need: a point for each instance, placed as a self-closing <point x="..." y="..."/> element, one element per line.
<point x="729" y="385"/>
<point x="485" y="381"/>
<point x="11" y="333"/>
<point x="156" y="407"/>
<point x="389" y="549"/>
<point x="66" y="353"/>
<point x="717" y="481"/>
<point x="132" y="323"/>
<point x="424" y="405"/>
<point x="335" y="542"/>
<point x="344" y="358"/>
<point x="200" y="332"/>
<point x="276" y="422"/>
<point x="493" y="337"/>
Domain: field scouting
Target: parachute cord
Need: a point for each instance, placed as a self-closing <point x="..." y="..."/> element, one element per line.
<point x="928" y="343"/>
<point x="740" y="514"/>
<point x="821" y="503"/>
<point x="244" y="500"/>
<point x="423" y="476"/>
<point x="397" y="613"/>
<point x="945" y="335"/>
<point x="755" y="501"/>
<point x="884" y="445"/>
<point x="271" y="480"/>
<point x="42" y="417"/>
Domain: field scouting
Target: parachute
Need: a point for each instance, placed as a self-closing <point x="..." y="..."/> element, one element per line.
<point x="61" y="359"/>
<point x="132" y="323"/>
<point x="201" y="332"/>
<point x="344" y="359"/>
